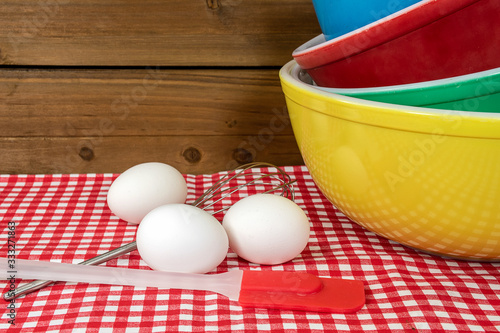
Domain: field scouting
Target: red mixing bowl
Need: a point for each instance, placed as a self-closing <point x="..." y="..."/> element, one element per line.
<point x="431" y="40"/>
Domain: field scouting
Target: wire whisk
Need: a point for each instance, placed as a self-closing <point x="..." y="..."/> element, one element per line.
<point x="275" y="181"/>
<point x="278" y="182"/>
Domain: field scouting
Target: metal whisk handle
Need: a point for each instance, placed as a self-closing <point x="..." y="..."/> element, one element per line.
<point x="39" y="284"/>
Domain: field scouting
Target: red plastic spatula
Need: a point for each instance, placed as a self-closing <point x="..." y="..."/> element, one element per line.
<point x="258" y="289"/>
<point x="300" y="291"/>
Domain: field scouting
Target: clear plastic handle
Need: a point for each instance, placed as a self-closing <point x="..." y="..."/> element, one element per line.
<point x="227" y="284"/>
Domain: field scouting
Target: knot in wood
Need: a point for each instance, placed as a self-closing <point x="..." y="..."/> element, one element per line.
<point x="242" y="156"/>
<point x="213" y="4"/>
<point x="192" y="155"/>
<point x="86" y="153"/>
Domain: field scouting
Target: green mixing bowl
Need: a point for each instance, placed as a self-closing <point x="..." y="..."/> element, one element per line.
<point x="473" y="92"/>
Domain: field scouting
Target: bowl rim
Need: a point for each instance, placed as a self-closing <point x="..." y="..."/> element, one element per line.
<point x="318" y="51"/>
<point x="448" y="82"/>
<point x="400" y="117"/>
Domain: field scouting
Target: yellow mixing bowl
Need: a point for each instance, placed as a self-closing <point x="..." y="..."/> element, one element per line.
<point x="426" y="178"/>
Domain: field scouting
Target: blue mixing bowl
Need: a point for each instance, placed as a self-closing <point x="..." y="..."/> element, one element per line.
<point x="338" y="17"/>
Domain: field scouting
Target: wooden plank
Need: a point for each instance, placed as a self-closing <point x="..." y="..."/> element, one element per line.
<point x="153" y="102"/>
<point x="189" y="154"/>
<point x="154" y="32"/>
<point x="80" y="121"/>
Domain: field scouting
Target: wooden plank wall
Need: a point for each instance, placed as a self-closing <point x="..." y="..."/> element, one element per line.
<point x="98" y="86"/>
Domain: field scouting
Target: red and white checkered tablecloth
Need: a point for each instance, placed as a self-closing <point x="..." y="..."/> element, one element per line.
<point x="64" y="218"/>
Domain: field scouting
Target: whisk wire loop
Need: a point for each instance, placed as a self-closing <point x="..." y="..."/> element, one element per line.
<point x="272" y="181"/>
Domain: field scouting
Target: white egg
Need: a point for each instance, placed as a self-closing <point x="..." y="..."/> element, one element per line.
<point x="181" y="238"/>
<point x="266" y="229"/>
<point x="144" y="187"/>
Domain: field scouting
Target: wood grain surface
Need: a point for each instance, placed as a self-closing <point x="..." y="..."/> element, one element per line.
<point x="80" y="120"/>
<point x="154" y="32"/>
<point x="97" y="86"/>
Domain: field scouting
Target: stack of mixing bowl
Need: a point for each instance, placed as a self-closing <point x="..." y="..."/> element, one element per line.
<point x="398" y="120"/>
